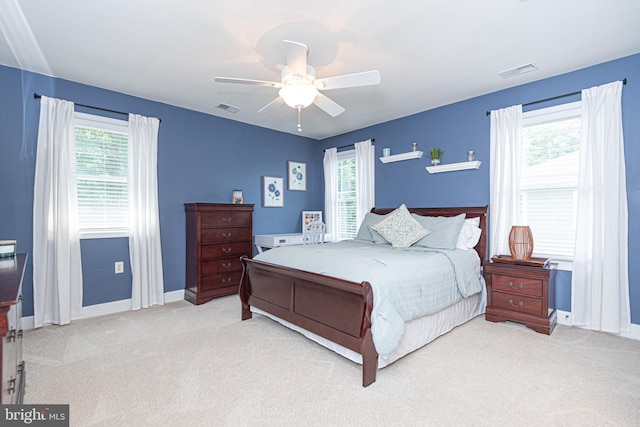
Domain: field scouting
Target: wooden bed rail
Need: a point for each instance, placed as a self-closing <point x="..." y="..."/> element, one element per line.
<point x="335" y="309"/>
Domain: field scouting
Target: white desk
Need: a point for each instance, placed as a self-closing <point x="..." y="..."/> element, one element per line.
<point x="283" y="239"/>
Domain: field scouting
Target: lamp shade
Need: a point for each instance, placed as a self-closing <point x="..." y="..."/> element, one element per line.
<point x="521" y="242"/>
<point x="299" y="95"/>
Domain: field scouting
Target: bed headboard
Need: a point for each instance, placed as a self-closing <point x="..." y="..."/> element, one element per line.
<point x="478" y="211"/>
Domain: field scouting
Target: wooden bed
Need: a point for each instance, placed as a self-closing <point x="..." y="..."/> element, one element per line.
<point x="335" y="309"/>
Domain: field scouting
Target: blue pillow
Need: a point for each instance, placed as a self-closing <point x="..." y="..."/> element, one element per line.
<point x="444" y="231"/>
<point x="366" y="234"/>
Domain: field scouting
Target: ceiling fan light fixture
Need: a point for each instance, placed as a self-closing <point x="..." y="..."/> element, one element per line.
<point x="299" y="95"/>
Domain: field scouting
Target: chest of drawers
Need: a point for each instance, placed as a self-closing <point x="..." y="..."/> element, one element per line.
<point x="12" y="375"/>
<point x="217" y="236"/>
<point x="522" y="294"/>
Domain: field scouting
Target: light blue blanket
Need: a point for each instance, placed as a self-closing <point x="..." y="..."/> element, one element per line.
<point x="406" y="284"/>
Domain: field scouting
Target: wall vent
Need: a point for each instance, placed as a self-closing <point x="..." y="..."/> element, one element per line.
<point x="228" y="108"/>
<point x="516" y="71"/>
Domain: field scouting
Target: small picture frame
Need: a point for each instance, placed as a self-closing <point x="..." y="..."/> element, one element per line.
<point x="297" y="173"/>
<point x="272" y="192"/>
<point x="309" y="217"/>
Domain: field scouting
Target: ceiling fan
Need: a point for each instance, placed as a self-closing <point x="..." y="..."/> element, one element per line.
<point x="300" y="87"/>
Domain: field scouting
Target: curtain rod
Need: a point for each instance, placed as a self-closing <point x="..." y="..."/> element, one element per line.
<point x="373" y="140"/>
<point x="37" y="96"/>
<point x="624" y="82"/>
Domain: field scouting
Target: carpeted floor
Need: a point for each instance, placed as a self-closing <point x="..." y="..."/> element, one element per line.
<point x="185" y="365"/>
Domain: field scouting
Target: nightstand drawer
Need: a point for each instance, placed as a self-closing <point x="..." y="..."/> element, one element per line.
<point x="517" y="285"/>
<point x="517" y="303"/>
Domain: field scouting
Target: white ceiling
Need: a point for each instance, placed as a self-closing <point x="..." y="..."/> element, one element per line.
<point x="429" y="52"/>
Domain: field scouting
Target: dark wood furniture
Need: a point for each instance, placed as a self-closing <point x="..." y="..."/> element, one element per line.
<point x="332" y="308"/>
<point x="523" y="294"/>
<point x="218" y="234"/>
<point x="13" y="372"/>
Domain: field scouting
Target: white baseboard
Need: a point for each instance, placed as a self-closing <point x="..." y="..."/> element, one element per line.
<point x="564" y="318"/>
<point x="109" y="308"/>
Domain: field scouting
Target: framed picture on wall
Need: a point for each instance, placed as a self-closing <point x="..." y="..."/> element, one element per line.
<point x="309" y="217"/>
<point x="272" y="192"/>
<point x="297" y="173"/>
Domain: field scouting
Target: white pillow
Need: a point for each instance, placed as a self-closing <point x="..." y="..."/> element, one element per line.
<point x="400" y="229"/>
<point x="469" y="233"/>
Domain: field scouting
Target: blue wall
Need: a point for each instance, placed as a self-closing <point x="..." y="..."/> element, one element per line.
<point x="202" y="158"/>
<point x="464" y="126"/>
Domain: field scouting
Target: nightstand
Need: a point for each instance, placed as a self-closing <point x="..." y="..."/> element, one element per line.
<point x="523" y="294"/>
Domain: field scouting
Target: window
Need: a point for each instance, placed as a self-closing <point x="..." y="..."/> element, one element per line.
<point x="549" y="178"/>
<point x="101" y="160"/>
<point x="347" y="227"/>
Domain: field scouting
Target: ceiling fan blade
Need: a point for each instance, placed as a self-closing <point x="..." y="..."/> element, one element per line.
<point x="328" y="105"/>
<point x="247" y="82"/>
<point x="276" y="102"/>
<point x="296" y="54"/>
<point x="365" y="78"/>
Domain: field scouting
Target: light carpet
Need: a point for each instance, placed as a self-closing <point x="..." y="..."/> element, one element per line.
<point x="186" y="365"/>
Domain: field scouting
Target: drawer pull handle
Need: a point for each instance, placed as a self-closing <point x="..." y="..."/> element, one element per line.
<point x="226" y="234"/>
<point x="226" y="265"/>
<point x="226" y="219"/>
<point x="511" y="285"/>
<point x="520" y="304"/>
<point x="227" y="280"/>
<point x="226" y="250"/>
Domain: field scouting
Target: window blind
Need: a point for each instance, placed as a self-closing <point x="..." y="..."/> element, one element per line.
<point x="101" y="158"/>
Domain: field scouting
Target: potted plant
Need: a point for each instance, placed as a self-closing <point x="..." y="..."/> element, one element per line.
<point x="435" y="154"/>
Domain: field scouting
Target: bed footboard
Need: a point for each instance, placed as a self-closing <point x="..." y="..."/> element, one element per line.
<point x="335" y="309"/>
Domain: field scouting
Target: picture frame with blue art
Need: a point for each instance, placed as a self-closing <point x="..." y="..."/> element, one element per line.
<point x="297" y="173"/>
<point x="272" y="192"/>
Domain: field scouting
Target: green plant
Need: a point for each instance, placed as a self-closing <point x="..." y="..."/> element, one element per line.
<point x="436" y="153"/>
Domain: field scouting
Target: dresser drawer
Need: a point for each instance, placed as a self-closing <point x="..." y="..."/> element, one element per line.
<point x="220" y="266"/>
<point x="220" y="250"/>
<point x="517" y="285"/>
<point x="214" y="235"/>
<point x="225" y="219"/>
<point x="518" y="303"/>
<point x="208" y="283"/>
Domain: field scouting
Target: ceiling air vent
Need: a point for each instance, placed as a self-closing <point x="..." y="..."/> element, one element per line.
<point x="228" y="108"/>
<point x="516" y="71"/>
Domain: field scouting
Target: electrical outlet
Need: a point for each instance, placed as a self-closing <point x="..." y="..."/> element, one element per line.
<point x="119" y="267"/>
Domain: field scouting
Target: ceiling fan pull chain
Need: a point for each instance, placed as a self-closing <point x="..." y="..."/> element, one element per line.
<point x="299" y="126"/>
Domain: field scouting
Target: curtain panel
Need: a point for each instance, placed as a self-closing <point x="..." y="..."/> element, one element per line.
<point x="57" y="264"/>
<point x="145" y="249"/>
<point x="600" y="282"/>
<point x="330" y="163"/>
<point x="505" y="160"/>
<point x="365" y="179"/>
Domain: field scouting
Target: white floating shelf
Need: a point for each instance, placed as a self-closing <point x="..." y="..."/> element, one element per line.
<point x="402" y="156"/>
<point x="454" y="167"/>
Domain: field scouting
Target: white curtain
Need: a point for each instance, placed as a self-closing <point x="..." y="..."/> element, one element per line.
<point x="330" y="163"/>
<point x="600" y="283"/>
<point x="57" y="265"/>
<point x="145" y="251"/>
<point x="505" y="161"/>
<point x="365" y="179"/>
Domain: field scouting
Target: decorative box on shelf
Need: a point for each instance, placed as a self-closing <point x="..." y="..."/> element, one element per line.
<point x="402" y="156"/>
<point x="454" y="167"/>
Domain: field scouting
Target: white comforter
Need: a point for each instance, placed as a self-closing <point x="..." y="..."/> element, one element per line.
<point x="406" y="284"/>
